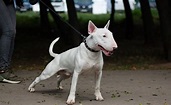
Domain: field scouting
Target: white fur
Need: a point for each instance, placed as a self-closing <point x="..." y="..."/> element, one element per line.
<point x="79" y="59"/>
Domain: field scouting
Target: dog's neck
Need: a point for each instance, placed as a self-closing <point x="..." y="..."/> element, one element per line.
<point x="90" y="49"/>
<point x="91" y="45"/>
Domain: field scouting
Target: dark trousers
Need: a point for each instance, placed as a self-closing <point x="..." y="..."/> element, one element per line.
<point x="7" y="33"/>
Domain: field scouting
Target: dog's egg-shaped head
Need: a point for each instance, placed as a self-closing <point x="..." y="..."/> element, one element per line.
<point x="103" y="38"/>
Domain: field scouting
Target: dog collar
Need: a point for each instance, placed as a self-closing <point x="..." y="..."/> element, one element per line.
<point x="92" y="50"/>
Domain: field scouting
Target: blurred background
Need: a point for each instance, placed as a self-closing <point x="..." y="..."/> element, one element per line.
<point x="140" y="27"/>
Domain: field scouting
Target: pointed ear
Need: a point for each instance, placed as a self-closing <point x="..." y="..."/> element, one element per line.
<point x="107" y="25"/>
<point x="91" y="27"/>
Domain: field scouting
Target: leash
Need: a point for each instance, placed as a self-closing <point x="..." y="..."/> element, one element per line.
<point x="84" y="37"/>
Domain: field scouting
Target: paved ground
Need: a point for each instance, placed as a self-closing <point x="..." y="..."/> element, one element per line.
<point x="118" y="88"/>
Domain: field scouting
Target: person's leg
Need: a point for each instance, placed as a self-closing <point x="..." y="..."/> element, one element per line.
<point x="7" y="34"/>
<point x="12" y="12"/>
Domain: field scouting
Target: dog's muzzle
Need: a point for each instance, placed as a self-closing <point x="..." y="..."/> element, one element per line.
<point x="106" y="52"/>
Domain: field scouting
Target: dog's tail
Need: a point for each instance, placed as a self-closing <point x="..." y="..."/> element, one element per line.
<point x="51" y="47"/>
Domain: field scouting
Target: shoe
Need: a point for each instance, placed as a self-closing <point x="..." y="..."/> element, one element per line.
<point x="5" y="75"/>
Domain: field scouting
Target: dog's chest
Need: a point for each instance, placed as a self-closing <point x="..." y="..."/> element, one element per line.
<point x="91" y="65"/>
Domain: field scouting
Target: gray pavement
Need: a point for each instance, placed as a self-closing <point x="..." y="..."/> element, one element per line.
<point x="139" y="87"/>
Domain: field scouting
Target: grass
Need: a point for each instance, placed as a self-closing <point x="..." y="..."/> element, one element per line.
<point x="28" y="20"/>
<point x="31" y="50"/>
<point x="32" y="19"/>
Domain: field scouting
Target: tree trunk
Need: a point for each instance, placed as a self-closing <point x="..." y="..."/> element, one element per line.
<point x="44" y="21"/>
<point x="60" y="24"/>
<point x="129" y="20"/>
<point x="111" y="28"/>
<point x="164" y="10"/>
<point x="73" y="20"/>
<point x="147" y="22"/>
<point x="44" y="6"/>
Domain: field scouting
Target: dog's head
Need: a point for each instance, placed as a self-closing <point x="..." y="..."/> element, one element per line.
<point x="103" y="38"/>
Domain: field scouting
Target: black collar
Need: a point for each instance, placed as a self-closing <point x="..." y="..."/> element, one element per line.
<point x="92" y="50"/>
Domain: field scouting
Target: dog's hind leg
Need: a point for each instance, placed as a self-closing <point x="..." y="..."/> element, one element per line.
<point x="32" y="85"/>
<point x="62" y="76"/>
<point x="59" y="84"/>
<point x="44" y="75"/>
<point x="37" y="80"/>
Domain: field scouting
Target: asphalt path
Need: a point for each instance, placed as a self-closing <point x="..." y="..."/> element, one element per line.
<point x="127" y="87"/>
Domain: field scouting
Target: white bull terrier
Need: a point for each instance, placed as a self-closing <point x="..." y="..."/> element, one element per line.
<point x="87" y="56"/>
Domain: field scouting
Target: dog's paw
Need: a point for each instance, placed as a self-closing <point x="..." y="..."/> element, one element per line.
<point x="31" y="89"/>
<point x="60" y="88"/>
<point x="99" y="96"/>
<point x="71" y="100"/>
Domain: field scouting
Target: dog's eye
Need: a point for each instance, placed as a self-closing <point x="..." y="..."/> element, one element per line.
<point x="104" y="35"/>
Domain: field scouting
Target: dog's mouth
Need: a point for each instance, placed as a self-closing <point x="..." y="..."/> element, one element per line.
<point x="106" y="52"/>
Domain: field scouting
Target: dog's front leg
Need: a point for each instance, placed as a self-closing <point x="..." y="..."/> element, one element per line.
<point x="71" y="97"/>
<point x="98" y="75"/>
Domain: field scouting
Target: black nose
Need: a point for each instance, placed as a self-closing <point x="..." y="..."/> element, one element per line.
<point x="115" y="48"/>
